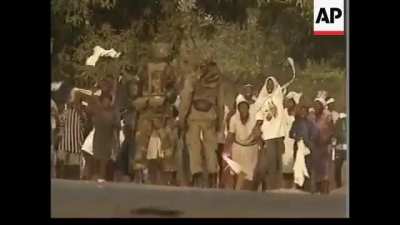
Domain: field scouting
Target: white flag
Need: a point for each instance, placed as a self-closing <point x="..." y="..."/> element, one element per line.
<point x="232" y="164"/>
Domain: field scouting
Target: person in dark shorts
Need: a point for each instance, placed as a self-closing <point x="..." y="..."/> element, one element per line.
<point x="106" y="124"/>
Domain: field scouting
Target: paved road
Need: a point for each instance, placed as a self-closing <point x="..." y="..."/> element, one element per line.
<point x="80" y="199"/>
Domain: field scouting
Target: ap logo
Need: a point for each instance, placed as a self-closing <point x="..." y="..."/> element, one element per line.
<point x="329" y="17"/>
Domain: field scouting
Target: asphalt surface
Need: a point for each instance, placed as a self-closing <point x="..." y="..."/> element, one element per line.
<point x="86" y="199"/>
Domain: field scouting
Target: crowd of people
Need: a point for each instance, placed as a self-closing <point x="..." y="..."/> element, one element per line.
<point x="186" y="135"/>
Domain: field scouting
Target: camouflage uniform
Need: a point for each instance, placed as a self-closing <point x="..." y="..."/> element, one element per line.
<point x="203" y="110"/>
<point x="155" y="104"/>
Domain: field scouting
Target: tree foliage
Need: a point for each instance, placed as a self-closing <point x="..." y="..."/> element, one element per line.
<point x="249" y="38"/>
<point x="79" y="12"/>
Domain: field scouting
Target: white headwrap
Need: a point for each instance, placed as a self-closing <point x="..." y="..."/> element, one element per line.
<point x="240" y="98"/>
<point x="295" y="96"/>
<point x="264" y="95"/>
<point x="321" y="96"/>
<point x="101" y="52"/>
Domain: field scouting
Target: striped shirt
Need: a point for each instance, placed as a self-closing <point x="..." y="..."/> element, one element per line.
<point x="72" y="132"/>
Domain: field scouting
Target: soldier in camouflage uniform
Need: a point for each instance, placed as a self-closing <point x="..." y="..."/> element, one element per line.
<point x="155" y="111"/>
<point x="201" y="113"/>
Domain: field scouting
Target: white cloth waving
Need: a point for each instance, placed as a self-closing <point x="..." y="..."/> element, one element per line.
<point x="101" y="52"/>
<point x="88" y="143"/>
<point x="295" y="96"/>
<point x="300" y="168"/>
<point x="234" y="166"/>
<point x="287" y="157"/>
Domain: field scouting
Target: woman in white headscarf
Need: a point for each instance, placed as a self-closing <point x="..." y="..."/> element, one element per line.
<point x="243" y="144"/>
<point x="246" y="94"/>
<point x="292" y="100"/>
<point x="270" y="121"/>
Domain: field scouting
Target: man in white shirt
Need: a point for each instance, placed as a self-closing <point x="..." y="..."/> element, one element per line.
<point x="270" y="121"/>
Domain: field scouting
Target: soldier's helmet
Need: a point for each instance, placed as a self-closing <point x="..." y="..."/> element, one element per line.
<point x="210" y="73"/>
<point x="161" y="50"/>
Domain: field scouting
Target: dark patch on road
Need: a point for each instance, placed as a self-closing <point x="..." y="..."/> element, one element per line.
<point x="152" y="211"/>
<point x="72" y="199"/>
